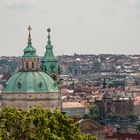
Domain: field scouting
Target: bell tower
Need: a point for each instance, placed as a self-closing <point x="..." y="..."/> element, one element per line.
<point x="49" y="63"/>
<point x="29" y="60"/>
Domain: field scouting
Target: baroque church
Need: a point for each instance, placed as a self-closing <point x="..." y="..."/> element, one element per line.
<point x="36" y="82"/>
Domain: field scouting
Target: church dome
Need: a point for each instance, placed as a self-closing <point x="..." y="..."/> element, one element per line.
<point x="30" y="82"/>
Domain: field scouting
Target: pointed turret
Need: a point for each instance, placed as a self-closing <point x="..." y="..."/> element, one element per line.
<point x="49" y="61"/>
<point x="29" y="61"/>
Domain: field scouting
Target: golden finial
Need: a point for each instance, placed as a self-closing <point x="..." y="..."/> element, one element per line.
<point x="29" y="29"/>
<point x="49" y="30"/>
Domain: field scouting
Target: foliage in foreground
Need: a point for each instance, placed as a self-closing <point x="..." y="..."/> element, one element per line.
<point x="94" y="113"/>
<point x="38" y="123"/>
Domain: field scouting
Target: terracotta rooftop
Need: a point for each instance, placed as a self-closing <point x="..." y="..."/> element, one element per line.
<point x="66" y="91"/>
<point x="137" y="100"/>
<point x="72" y="105"/>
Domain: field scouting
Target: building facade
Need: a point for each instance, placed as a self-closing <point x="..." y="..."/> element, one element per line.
<point x="74" y="109"/>
<point x="31" y="86"/>
<point x="111" y="105"/>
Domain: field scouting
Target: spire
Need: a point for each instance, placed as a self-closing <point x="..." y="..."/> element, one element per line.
<point x="30" y="61"/>
<point x="29" y="51"/>
<point x="49" y="38"/>
<point x="49" y="61"/>
<point x="29" y="36"/>
<point x="49" y="30"/>
<point x="49" y="48"/>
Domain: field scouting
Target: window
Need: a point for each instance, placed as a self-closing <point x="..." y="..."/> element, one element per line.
<point x="45" y="69"/>
<point x="4" y="84"/>
<point x="52" y="68"/>
<point x="40" y="85"/>
<point x="33" y="65"/>
<point x="54" y="77"/>
<point x="27" y="65"/>
<point x="19" y="85"/>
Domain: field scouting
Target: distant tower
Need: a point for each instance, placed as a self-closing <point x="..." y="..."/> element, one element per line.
<point x="49" y="61"/>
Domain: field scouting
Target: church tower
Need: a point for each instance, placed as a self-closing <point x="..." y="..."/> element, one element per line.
<point x="30" y="86"/>
<point x="49" y="61"/>
<point x="29" y="61"/>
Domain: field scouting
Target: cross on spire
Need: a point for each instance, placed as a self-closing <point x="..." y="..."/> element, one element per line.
<point x="29" y="29"/>
<point x="49" y="30"/>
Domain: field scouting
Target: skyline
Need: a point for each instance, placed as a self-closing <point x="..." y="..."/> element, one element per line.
<point x="82" y="27"/>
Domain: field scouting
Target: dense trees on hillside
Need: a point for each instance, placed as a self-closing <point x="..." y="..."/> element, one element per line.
<point x="8" y="65"/>
<point x="38" y="123"/>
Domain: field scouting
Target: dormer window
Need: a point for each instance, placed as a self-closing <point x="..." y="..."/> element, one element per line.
<point x="40" y="85"/>
<point x="4" y="85"/>
<point x="19" y="85"/>
<point x="54" y="77"/>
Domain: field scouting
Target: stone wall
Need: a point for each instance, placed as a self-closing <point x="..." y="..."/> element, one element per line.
<point x="51" y="101"/>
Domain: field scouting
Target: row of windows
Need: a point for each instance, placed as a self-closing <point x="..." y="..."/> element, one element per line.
<point x="29" y="95"/>
<point x="40" y="85"/>
<point x="27" y="65"/>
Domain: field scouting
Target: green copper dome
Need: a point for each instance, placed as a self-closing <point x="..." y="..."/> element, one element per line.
<point x="30" y="82"/>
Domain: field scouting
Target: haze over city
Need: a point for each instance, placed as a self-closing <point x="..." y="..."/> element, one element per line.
<point x="78" y="26"/>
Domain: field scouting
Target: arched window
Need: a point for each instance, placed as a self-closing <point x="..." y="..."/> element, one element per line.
<point x="54" y="77"/>
<point x="40" y="85"/>
<point x="45" y="69"/>
<point x="19" y="85"/>
<point x="27" y="65"/>
<point x="33" y="65"/>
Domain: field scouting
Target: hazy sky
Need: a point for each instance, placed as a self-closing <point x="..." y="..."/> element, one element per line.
<point x="78" y="26"/>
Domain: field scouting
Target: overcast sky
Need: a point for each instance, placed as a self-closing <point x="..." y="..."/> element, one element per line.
<point x="78" y="26"/>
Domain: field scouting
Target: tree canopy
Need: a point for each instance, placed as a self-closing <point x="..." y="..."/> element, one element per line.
<point x="94" y="112"/>
<point x="38" y="123"/>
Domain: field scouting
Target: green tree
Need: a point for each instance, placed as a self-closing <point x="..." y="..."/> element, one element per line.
<point x="114" y="117"/>
<point x="132" y="117"/>
<point x="94" y="112"/>
<point x="38" y="123"/>
<point x="138" y="128"/>
<point x="11" y="65"/>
